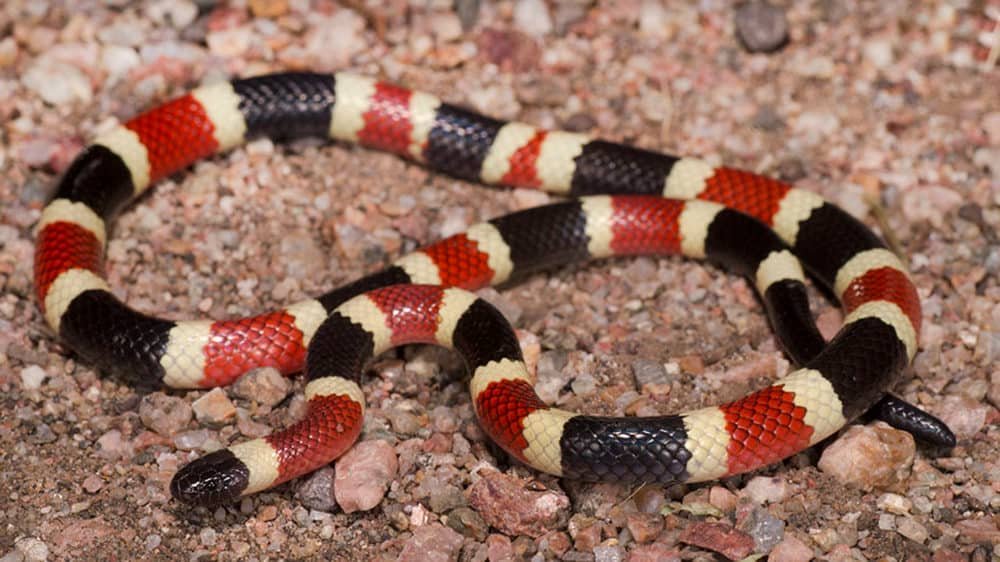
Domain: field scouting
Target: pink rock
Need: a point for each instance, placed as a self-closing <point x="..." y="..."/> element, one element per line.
<point x="431" y="543"/>
<point x="654" y="553"/>
<point x="506" y="503"/>
<point x="767" y="489"/>
<point x="963" y="415"/>
<point x="164" y="414"/>
<point x="644" y="526"/>
<point x="265" y="385"/>
<point x="722" y="499"/>
<point x="499" y="548"/>
<point x="718" y="537"/>
<point x="112" y="446"/>
<point x="870" y="456"/>
<point x="363" y="475"/>
<point x="790" y="549"/>
<point x="979" y="530"/>
<point x="214" y="407"/>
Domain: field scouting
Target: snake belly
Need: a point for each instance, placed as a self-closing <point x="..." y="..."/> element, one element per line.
<point x="627" y="201"/>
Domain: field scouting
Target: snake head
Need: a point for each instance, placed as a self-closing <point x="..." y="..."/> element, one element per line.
<point x="215" y="479"/>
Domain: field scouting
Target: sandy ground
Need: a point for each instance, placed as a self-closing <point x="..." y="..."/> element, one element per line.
<point x="886" y="102"/>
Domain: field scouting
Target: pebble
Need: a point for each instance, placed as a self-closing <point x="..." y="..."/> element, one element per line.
<point x="202" y="439"/>
<point x="766" y="529"/>
<point x="963" y="415"/>
<point x="431" y="543"/>
<point x="790" y="549"/>
<point x="468" y="523"/>
<point x="654" y="19"/>
<point x="363" y="474"/>
<point x="909" y="528"/>
<point x="268" y="8"/>
<point x="32" y="377"/>
<point x="767" y="489"/>
<point x="718" y="537"/>
<point x="56" y="82"/>
<point x="508" y="504"/>
<point x="317" y="491"/>
<point x="761" y="26"/>
<point x="644" y="527"/>
<point x="93" y="484"/>
<point x="111" y="445"/>
<point x="870" y="456"/>
<point x="264" y="385"/>
<point x="610" y="553"/>
<point x="655" y="552"/>
<point x="214" y="407"/>
<point x="894" y="503"/>
<point x="499" y="548"/>
<point x="164" y="414"/>
<point x="648" y="372"/>
<point x="32" y="549"/>
<point x="532" y="17"/>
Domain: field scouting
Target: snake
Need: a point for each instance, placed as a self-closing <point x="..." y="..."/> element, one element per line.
<point x="620" y="200"/>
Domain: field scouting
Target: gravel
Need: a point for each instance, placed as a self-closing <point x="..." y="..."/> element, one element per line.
<point x="860" y="102"/>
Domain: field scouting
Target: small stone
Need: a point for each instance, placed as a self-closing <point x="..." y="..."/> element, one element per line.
<point x="93" y="484"/>
<point x="644" y="526"/>
<point x="468" y="523"/>
<point x="431" y="543"/>
<point x="499" y="548"/>
<point x="264" y="385"/>
<point x="193" y="440"/>
<point x="508" y="504"/>
<point x="718" y="537"/>
<point x="403" y="422"/>
<point x="879" y="53"/>
<point x="979" y="530"/>
<point x="32" y="549"/>
<point x="609" y="553"/>
<point x="268" y="8"/>
<point x="446" y="26"/>
<point x="655" y="552"/>
<point x="532" y="17"/>
<point x="766" y="529"/>
<point x="648" y="372"/>
<point x="317" y="490"/>
<point x="909" y="528"/>
<point x="268" y="513"/>
<point x="214" y="407"/>
<point x="964" y="416"/>
<point x="894" y="503"/>
<point x="767" y="489"/>
<point x="57" y="82"/>
<point x="761" y="26"/>
<point x="112" y="446"/>
<point x="32" y="377"/>
<point x="363" y="474"/>
<point x="722" y="499"/>
<point x="871" y="456"/>
<point x="208" y="536"/>
<point x="654" y="20"/>
<point x="790" y="549"/>
<point x="164" y="414"/>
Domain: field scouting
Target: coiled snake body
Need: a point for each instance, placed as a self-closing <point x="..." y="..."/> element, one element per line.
<point x="627" y="201"/>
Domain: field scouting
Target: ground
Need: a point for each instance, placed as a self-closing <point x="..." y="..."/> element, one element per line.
<point x="888" y="109"/>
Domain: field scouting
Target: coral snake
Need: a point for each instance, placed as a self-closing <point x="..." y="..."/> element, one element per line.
<point x="624" y="201"/>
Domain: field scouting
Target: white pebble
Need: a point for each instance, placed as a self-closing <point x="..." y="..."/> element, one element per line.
<point x="118" y="60"/>
<point x="532" y="17"/>
<point x="32" y="377"/>
<point x="57" y="82"/>
<point x="32" y="549"/>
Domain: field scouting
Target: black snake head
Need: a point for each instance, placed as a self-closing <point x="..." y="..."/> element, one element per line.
<point x="215" y="479"/>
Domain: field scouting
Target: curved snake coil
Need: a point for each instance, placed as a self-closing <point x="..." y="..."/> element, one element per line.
<point x="629" y="201"/>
